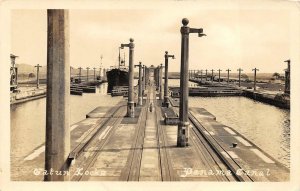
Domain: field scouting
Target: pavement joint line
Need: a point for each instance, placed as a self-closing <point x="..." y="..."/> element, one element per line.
<point x="243" y="141"/>
<point x="104" y="133"/>
<point x="35" y="153"/>
<point x="225" y="154"/>
<point x="262" y="156"/>
<point x="232" y="154"/>
<point x="83" y="136"/>
<point x="73" y="127"/>
<point x="229" y="131"/>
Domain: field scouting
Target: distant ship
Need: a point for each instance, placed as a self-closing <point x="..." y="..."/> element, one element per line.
<point x="117" y="76"/>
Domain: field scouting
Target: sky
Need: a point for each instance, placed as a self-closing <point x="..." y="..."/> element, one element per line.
<point x="239" y="35"/>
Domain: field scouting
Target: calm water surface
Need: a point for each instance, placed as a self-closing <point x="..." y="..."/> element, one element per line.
<point x="265" y="125"/>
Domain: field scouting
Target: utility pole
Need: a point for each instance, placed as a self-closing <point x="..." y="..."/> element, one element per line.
<point x="240" y="70"/>
<point x="87" y="74"/>
<point x="166" y="94"/>
<point x="140" y="96"/>
<point x="79" y="74"/>
<point x="58" y="96"/>
<point x="37" y="75"/>
<point x="130" y="104"/>
<point x="219" y="75"/>
<point x="183" y="125"/>
<point x="100" y="69"/>
<point x="255" y="69"/>
<point x="228" y="75"/>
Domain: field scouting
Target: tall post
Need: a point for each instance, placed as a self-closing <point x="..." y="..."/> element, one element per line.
<point x="58" y="94"/>
<point x="212" y="76"/>
<point x="140" y="96"/>
<point x="183" y="125"/>
<point x="37" y="76"/>
<point x="254" y="85"/>
<point x="143" y="80"/>
<point x="166" y="90"/>
<point x="94" y="74"/>
<point x="130" y="104"/>
<point x="201" y="75"/>
<point x="87" y="74"/>
<point x="228" y="75"/>
<point x="219" y="75"/>
<point x="206" y="75"/>
<point x="79" y="76"/>
<point x="240" y="70"/>
<point x="287" y="78"/>
<point x="160" y="74"/>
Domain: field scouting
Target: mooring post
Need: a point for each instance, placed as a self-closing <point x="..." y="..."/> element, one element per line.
<point x="140" y="96"/>
<point x="166" y="90"/>
<point x="37" y="75"/>
<point x="219" y="75"/>
<point x="287" y="78"/>
<point x="183" y="125"/>
<point x="130" y="104"/>
<point x="254" y="85"/>
<point x="228" y="70"/>
<point x="58" y="94"/>
<point x="240" y="70"/>
<point x="87" y="74"/>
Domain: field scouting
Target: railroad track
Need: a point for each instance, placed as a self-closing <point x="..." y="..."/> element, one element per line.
<point x="212" y="147"/>
<point x="86" y="162"/>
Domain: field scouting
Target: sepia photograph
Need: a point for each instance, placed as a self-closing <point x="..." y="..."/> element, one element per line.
<point x="181" y="95"/>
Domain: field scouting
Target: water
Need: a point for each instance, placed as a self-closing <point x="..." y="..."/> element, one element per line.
<point x="265" y="125"/>
<point x="28" y="120"/>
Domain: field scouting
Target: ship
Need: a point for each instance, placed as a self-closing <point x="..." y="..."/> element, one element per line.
<point x="117" y="76"/>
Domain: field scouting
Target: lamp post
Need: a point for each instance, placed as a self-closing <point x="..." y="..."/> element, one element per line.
<point x="166" y="95"/>
<point x="254" y="85"/>
<point x="240" y="70"/>
<point x="160" y="76"/>
<point x="87" y="74"/>
<point x="140" y="96"/>
<point x="79" y="75"/>
<point x="219" y="75"/>
<point x="228" y="75"/>
<point x="287" y="77"/>
<point x="183" y="125"/>
<point x="37" y="76"/>
<point x="130" y="104"/>
<point x="212" y="76"/>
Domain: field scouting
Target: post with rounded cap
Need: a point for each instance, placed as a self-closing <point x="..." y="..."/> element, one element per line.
<point x="57" y="144"/>
<point x="140" y="96"/>
<point x="183" y="125"/>
<point x="130" y="104"/>
<point x="166" y="95"/>
<point x="240" y="70"/>
<point x="254" y="85"/>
